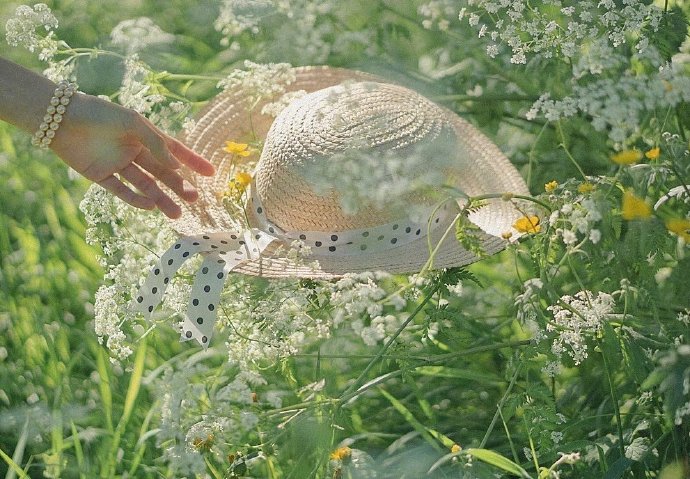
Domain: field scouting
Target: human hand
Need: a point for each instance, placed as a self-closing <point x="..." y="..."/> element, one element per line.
<point x="107" y="144"/>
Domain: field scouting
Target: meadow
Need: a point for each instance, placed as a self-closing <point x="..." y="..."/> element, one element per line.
<point x="567" y="355"/>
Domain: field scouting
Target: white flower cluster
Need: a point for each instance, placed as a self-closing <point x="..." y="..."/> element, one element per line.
<point x="527" y="303"/>
<point x="237" y="16"/>
<point x="532" y="31"/>
<point x="365" y="177"/>
<point x="437" y="13"/>
<point x="134" y="92"/>
<point x="575" y="318"/>
<point x="260" y="81"/>
<point x="304" y="31"/>
<point x="618" y="104"/>
<point x="126" y="238"/>
<point x="135" y="34"/>
<point x="21" y="30"/>
<point x="575" y="221"/>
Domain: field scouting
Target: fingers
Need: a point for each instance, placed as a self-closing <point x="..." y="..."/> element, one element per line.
<point x="154" y="141"/>
<point x="171" y="178"/>
<point x="119" y="189"/>
<point x="150" y="189"/>
<point x="188" y="157"/>
<point x="169" y="151"/>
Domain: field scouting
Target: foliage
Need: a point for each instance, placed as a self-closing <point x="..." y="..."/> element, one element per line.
<point x="566" y="355"/>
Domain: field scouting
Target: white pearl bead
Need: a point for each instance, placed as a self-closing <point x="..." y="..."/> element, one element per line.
<point x="50" y="134"/>
<point x="57" y="118"/>
<point x="64" y="100"/>
<point x="45" y="141"/>
<point x="55" y="101"/>
<point x="40" y="134"/>
<point x="61" y="109"/>
<point x="47" y="118"/>
<point x="54" y="126"/>
<point x="43" y="126"/>
<point x="58" y="92"/>
<point x="51" y="110"/>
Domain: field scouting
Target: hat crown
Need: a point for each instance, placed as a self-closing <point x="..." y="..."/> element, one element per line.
<point x="341" y="135"/>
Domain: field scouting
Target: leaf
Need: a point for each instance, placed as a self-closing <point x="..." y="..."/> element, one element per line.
<point x="467" y="234"/>
<point x="618" y="468"/>
<point x="497" y="460"/>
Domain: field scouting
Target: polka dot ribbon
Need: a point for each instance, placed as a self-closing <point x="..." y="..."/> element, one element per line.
<point x="224" y="251"/>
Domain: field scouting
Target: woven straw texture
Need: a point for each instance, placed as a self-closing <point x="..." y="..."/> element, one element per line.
<point x="384" y="117"/>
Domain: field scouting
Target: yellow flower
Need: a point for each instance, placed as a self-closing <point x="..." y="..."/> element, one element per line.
<point x="679" y="226"/>
<point x="653" y="154"/>
<point x="242" y="179"/>
<point x="585" y="187"/>
<point x="239" y="149"/>
<point x="203" y="445"/>
<point x="634" y="207"/>
<point x="455" y="448"/>
<point x="627" y="157"/>
<point x="506" y="235"/>
<point x="550" y="186"/>
<point x="528" y="224"/>
<point x="341" y="453"/>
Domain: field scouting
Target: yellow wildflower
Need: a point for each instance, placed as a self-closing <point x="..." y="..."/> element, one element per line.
<point x="506" y="235"/>
<point x="550" y="186"/>
<point x="242" y="178"/>
<point x="528" y="224"/>
<point x="341" y="453"/>
<point x="679" y="226"/>
<point x="653" y="154"/>
<point x="627" y="157"/>
<point x="239" y="149"/>
<point x="585" y="187"/>
<point x="634" y="207"/>
<point x="455" y="448"/>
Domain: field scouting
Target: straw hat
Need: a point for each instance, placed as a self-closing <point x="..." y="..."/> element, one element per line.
<point x="345" y="130"/>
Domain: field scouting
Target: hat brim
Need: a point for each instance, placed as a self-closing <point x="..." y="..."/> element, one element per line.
<point x="228" y="117"/>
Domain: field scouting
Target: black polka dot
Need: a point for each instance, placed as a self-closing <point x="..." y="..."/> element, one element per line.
<point x="154" y="290"/>
<point x="380" y="237"/>
<point x="317" y="243"/>
<point x="185" y="254"/>
<point x="221" y="261"/>
<point x="417" y="232"/>
<point x="195" y="302"/>
<point x="223" y="252"/>
<point x="156" y="271"/>
<point x="331" y="248"/>
<point x="241" y="242"/>
<point x="233" y="236"/>
<point x="206" y="237"/>
<point x="188" y="334"/>
<point x="408" y="229"/>
<point x="259" y="210"/>
<point x="207" y="288"/>
<point x="302" y="237"/>
<point x="166" y="280"/>
<point x="271" y="229"/>
<point x="257" y="237"/>
<point x="170" y="261"/>
<point x="223" y="242"/>
<point x="239" y="252"/>
<point x="150" y="309"/>
<point x="363" y="247"/>
<point x="211" y="307"/>
<point x="178" y="245"/>
<point x="196" y="243"/>
<point x="204" y="339"/>
<point x="365" y="234"/>
<point x="437" y="220"/>
<point x="394" y="240"/>
<point x="395" y="226"/>
<point x="214" y="246"/>
<point x="204" y="269"/>
<point x="334" y="237"/>
<point x="140" y="299"/>
<point x="220" y="275"/>
<point x="200" y="320"/>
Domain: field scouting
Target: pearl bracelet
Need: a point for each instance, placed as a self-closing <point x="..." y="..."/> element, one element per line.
<point x="54" y="113"/>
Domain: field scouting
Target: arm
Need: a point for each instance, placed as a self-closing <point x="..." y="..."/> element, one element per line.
<point x="104" y="141"/>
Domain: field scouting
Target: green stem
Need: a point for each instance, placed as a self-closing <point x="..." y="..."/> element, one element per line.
<point x="358" y="382"/>
<point x="559" y="128"/>
<point x="614" y="397"/>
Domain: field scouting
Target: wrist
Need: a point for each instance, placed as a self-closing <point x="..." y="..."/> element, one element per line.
<point x="55" y="112"/>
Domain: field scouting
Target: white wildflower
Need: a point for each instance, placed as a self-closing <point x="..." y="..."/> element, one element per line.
<point x="136" y="34"/>
<point x="581" y="316"/>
